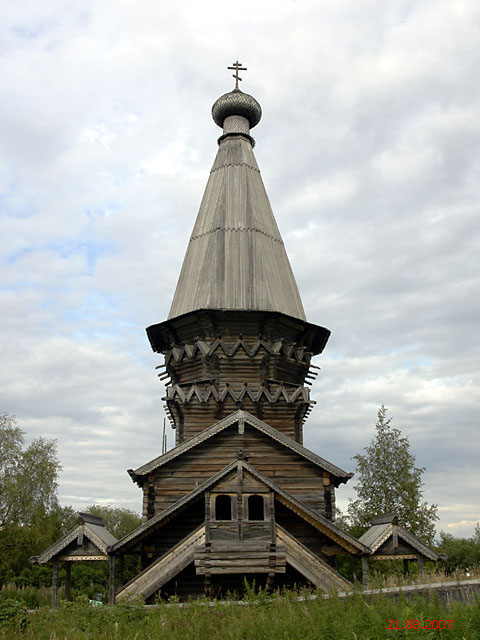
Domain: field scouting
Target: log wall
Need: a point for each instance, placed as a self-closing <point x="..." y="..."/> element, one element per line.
<point x="291" y="472"/>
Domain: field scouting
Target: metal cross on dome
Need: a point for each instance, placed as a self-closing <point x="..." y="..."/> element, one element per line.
<point x="237" y="66"/>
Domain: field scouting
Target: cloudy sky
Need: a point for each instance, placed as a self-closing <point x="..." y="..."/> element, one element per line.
<point x="369" y="150"/>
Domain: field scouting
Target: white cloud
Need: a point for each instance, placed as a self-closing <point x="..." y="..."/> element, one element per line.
<point x="368" y="148"/>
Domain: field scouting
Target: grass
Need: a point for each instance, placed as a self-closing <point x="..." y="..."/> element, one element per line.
<point x="281" y="616"/>
<point x="430" y="576"/>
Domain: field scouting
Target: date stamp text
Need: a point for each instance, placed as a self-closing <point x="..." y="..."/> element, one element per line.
<point x="393" y="625"/>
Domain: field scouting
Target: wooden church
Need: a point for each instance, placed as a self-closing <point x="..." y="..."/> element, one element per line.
<point x="239" y="496"/>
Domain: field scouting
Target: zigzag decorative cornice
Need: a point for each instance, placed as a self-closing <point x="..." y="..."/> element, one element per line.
<point x="253" y="229"/>
<point x="290" y="351"/>
<point x="185" y="395"/>
<point x="235" y="164"/>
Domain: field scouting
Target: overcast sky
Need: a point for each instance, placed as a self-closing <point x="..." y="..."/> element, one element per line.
<point x="369" y="150"/>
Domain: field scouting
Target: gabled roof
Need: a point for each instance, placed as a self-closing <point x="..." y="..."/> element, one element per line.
<point x="319" y="522"/>
<point x="91" y="527"/>
<point x="378" y="534"/>
<point x="241" y="417"/>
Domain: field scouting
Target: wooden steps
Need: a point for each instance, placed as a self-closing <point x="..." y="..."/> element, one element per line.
<point x="309" y="565"/>
<point x="165" y="568"/>
<point x="241" y="558"/>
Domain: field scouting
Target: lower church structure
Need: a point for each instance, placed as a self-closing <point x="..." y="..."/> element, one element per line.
<point x="239" y="496"/>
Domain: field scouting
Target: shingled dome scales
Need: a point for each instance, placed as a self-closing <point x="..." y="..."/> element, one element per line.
<point x="236" y="259"/>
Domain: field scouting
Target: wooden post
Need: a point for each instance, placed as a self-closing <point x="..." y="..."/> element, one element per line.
<point x="68" y="573"/>
<point x="354" y="568"/>
<point x="207" y="582"/>
<point x="207" y="517"/>
<point x="54" y="583"/>
<point x="239" y="500"/>
<point x="111" y="582"/>
<point x="365" y="572"/>
<point x="405" y="567"/>
<point x="271" y="514"/>
<point x="270" y="581"/>
<point x="420" y="566"/>
<point x="121" y="570"/>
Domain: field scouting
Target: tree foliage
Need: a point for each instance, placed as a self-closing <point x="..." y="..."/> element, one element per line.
<point x="117" y="520"/>
<point x="389" y="481"/>
<point x="28" y="495"/>
<point x="463" y="553"/>
<point x="28" y="475"/>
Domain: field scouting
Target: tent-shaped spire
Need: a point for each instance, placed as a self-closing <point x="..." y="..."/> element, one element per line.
<point x="236" y="259"/>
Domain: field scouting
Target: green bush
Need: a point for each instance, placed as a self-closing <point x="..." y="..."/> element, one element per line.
<point x="13" y="614"/>
<point x="32" y="597"/>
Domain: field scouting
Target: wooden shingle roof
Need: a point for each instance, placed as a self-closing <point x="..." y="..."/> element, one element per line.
<point x="90" y="527"/>
<point x="236" y="258"/>
<point x="379" y="534"/>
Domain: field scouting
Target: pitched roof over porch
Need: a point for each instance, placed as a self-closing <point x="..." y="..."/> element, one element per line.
<point x="89" y="540"/>
<point x="388" y="540"/>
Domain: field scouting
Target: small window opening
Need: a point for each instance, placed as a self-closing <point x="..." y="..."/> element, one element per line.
<point x="223" y="508"/>
<point x="255" y="508"/>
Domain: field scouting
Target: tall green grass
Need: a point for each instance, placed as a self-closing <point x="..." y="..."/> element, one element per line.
<point x="382" y="580"/>
<point x="281" y="617"/>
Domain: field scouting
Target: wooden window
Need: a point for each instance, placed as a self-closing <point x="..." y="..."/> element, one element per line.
<point x="223" y="508"/>
<point x="255" y="508"/>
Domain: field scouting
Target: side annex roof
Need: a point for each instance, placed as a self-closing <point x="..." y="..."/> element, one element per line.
<point x="378" y="534"/>
<point x="241" y="417"/>
<point x="91" y="527"/>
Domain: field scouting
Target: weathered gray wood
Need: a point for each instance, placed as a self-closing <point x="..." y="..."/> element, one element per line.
<point x="111" y="580"/>
<point x="88" y="538"/>
<point x="309" y="565"/>
<point x="288" y="470"/>
<point x="236" y="258"/>
<point x="211" y="375"/>
<point x="207" y="517"/>
<point x="121" y="570"/>
<point x="55" y="582"/>
<point x="365" y="572"/>
<point x="388" y="540"/>
<point x="68" y="575"/>
<point x="166" y="567"/>
<point x="271" y="517"/>
<point x="242" y="559"/>
<point x="239" y="507"/>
